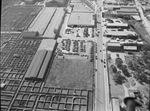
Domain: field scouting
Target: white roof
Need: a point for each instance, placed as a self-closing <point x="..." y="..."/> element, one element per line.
<point x="76" y="1"/>
<point x="40" y="22"/>
<point x="117" y="24"/>
<point x="47" y="44"/>
<point x="130" y="47"/>
<point x="113" y="44"/>
<point x="125" y="32"/>
<point x="81" y="19"/>
<point x="136" y="17"/>
<point x="55" y="23"/>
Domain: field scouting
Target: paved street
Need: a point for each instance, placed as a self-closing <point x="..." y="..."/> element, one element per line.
<point x="101" y="76"/>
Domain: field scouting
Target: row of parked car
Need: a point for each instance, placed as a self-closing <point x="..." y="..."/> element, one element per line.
<point x="75" y="46"/>
<point x="66" y="44"/>
<point x="82" y="46"/>
<point x="78" y="45"/>
<point x="85" y="32"/>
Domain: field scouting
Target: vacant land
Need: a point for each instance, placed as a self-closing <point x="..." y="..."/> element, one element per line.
<point x="74" y="73"/>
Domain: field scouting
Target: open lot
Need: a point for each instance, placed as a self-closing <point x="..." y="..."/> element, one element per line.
<point x="18" y="17"/>
<point x="71" y="74"/>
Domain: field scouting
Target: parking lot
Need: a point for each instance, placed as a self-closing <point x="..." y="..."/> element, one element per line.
<point x="80" y="48"/>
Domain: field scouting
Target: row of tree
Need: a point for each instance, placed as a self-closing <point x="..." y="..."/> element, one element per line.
<point x="120" y="65"/>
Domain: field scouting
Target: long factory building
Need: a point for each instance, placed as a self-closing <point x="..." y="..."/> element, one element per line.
<point x="42" y="20"/>
<point x="48" y="20"/>
<point x="55" y="23"/>
<point x="42" y="60"/>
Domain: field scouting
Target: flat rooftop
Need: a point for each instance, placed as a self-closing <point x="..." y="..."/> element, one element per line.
<point x="117" y="24"/>
<point x="114" y="44"/>
<point x="75" y="1"/>
<point x="125" y="33"/>
<point x="84" y="19"/>
<point x="47" y="44"/>
<point x="41" y="21"/>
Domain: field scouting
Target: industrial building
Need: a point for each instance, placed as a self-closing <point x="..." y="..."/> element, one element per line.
<point x="114" y="46"/>
<point x="130" y="48"/>
<point x="55" y="24"/>
<point x="41" y="22"/>
<point x="127" y="45"/>
<point x="75" y="1"/>
<point x="123" y="34"/>
<point x="42" y="59"/>
<point x="56" y="3"/>
<point x="127" y="11"/>
<point x="81" y="20"/>
<point x="29" y="34"/>
<point x="117" y="25"/>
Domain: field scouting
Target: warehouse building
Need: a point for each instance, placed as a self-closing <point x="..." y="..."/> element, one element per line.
<point x="114" y="46"/>
<point x="126" y="45"/>
<point x="29" y="34"/>
<point x="117" y="25"/>
<point x="130" y="48"/>
<point x="127" y="12"/>
<point x="55" y="24"/>
<point x="42" y="61"/>
<point x="123" y="34"/>
<point x="115" y="104"/>
<point x="75" y="1"/>
<point x="41" y="22"/>
<point x="81" y="20"/>
<point x="56" y="3"/>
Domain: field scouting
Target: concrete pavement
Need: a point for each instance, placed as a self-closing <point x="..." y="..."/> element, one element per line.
<point x="101" y="77"/>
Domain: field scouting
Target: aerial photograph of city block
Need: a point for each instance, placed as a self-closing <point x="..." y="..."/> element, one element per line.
<point x="75" y="55"/>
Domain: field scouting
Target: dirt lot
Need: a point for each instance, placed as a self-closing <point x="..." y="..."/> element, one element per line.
<point x="73" y="73"/>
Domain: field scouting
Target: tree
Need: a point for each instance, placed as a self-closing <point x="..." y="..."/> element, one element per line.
<point x="119" y="62"/>
<point x="72" y="6"/>
<point x="65" y="9"/>
<point x="114" y="69"/>
<point x="108" y="56"/>
<point x="130" y="65"/>
<point x="119" y="79"/>
<point x="146" y="48"/>
<point x="55" y="31"/>
<point x="143" y="78"/>
<point x="125" y="70"/>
